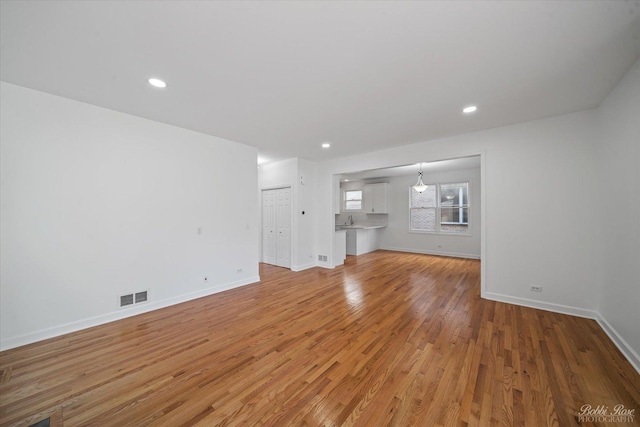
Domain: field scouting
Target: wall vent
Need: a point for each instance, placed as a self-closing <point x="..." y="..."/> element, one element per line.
<point x="126" y="300"/>
<point x="322" y="258"/>
<point x="141" y="296"/>
<point x="134" y="298"/>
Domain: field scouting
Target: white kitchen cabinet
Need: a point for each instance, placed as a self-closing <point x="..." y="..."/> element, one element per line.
<point x="375" y="198"/>
<point x="357" y="241"/>
<point x="351" y="242"/>
<point x="340" y="247"/>
<point x="373" y="243"/>
<point x="361" y="241"/>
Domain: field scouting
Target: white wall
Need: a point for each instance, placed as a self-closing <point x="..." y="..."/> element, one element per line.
<point x="96" y="204"/>
<point x="307" y="222"/>
<point x="618" y="170"/>
<point x="278" y="174"/>
<point x="537" y="213"/>
<point x="396" y="236"/>
<point x="300" y="176"/>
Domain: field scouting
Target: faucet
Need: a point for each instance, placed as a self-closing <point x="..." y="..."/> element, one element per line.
<point x="350" y="219"/>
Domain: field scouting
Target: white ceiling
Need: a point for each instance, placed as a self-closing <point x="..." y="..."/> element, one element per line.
<point x="287" y="76"/>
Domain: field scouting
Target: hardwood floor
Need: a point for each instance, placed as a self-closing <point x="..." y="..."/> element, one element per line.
<point x="388" y="339"/>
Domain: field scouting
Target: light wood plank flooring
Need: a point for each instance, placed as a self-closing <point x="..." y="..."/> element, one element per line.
<point x="388" y="339"/>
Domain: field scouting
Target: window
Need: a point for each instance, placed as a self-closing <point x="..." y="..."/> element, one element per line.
<point x="441" y="208"/>
<point x="353" y="200"/>
<point x="424" y="209"/>
<point x="454" y="207"/>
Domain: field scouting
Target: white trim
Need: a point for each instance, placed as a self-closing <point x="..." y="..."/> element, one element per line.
<point x="327" y="265"/>
<point x="303" y="267"/>
<point x="276" y="187"/>
<point x="483" y="221"/>
<point x="624" y="347"/>
<point x="120" y="313"/>
<point x="429" y="252"/>
<point x="627" y="351"/>
<point x="542" y="305"/>
<point x="442" y="233"/>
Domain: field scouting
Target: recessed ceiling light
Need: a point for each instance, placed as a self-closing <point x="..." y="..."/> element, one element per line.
<point x="470" y="109"/>
<point x="326" y="145"/>
<point x="157" y="83"/>
<point x="346" y="180"/>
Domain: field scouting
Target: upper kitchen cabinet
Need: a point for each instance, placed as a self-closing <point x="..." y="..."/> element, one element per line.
<point x="375" y="198"/>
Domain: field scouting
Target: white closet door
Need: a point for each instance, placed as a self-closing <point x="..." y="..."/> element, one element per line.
<point x="283" y="222"/>
<point x="269" y="226"/>
<point x="276" y="227"/>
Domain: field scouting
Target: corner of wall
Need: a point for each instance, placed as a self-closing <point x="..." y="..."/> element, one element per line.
<point x="541" y="305"/>
<point x="624" y="347"/>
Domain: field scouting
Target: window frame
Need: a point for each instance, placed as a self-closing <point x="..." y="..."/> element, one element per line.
<point x="438" y="211"/>
<point x="344" y="200"/>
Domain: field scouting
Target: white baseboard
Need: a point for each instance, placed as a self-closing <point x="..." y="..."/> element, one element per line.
<point x="541" y="305"/>
<point x="624" y="347"/>
<point x="430" y="252"/>
<point x="630" y="354"/>
<point x="303" y="267"/>
<point x="75" y="326"/>
<point x="627" y="351"/>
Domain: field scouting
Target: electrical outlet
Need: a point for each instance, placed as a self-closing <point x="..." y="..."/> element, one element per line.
<point x="535" y="288"/>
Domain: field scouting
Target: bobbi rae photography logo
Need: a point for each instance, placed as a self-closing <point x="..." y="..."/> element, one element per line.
<point x="604" y="414"/>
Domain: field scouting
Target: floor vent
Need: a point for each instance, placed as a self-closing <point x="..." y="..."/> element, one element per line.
<point x="44" y="423"/>
<point x="134" y="298"/>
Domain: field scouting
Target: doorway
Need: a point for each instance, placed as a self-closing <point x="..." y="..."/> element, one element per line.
<point x="276" y="227"/>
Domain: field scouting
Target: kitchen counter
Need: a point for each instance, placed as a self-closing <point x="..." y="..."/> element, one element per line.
<point x="358" y="227"/>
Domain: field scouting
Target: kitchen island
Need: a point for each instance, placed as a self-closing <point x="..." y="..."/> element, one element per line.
<point x="361" y="239"/>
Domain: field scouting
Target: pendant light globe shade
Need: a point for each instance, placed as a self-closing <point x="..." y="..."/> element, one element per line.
<point x="420" y="186"/>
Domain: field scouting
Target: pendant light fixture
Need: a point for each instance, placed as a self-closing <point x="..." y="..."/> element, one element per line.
<point x="420" y="186"/>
